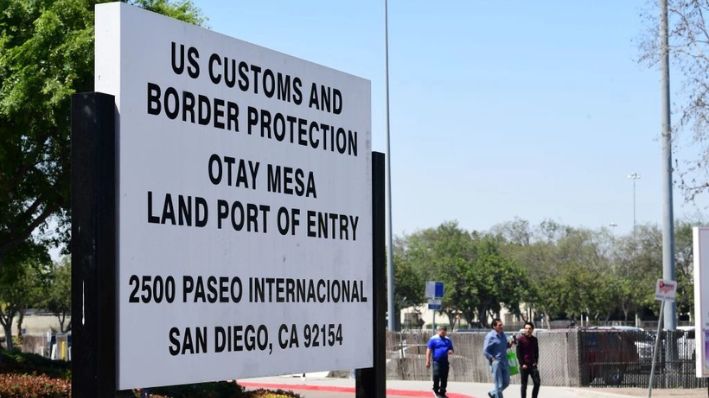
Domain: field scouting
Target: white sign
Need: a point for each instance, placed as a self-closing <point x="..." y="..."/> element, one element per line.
<point x="665" y="290"/>
<point x="701" y="299"/>
<point x="245" y="244"/>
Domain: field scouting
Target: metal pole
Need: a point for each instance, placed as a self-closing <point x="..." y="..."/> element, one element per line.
<point x="634" y="176"/>
<point x="433" y="332"/>
<point x="654" y="352"/>
<point x="668" y="267"/>
<point x="391" y="307"/>
<point x="634" y="207"/>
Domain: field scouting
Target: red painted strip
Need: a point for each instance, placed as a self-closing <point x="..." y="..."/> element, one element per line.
<point x="309" y="387"/>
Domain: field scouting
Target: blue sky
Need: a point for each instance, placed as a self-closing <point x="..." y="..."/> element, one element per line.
<point x="536" y="110"/>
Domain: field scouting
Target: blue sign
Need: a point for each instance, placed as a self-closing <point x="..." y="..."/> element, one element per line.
<point x="434" y="289"/>
<point x="434" y="304"/>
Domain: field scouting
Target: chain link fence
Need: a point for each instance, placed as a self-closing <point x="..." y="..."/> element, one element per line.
<point x="568" y="357"/>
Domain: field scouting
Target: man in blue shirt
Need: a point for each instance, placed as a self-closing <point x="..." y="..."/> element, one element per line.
<point x="495" y="350"/>
<point x="439" y="346"/>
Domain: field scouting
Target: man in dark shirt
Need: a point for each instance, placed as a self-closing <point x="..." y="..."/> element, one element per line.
<point x="528" y="357"/>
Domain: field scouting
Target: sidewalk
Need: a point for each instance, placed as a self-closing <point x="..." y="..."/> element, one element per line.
<point x="326" y="387"/>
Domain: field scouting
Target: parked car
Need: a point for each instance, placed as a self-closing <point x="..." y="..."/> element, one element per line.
<point x="686" y="343"/>
<point x="684" y="338"/>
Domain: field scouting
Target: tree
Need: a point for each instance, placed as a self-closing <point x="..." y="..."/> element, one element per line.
<point x="553" y="270"/>
<point x="46" y="55"/>
<point x="478" y="278"/>
<point x="689" y="49"/>
<point x="684" y="267"/>
<point x="516" y="231"/>
<point x="536" y="254"/>
<point x="497" y="281"/>
<point x="569" y="270"/>
<point x="58" y="298"/>
<point x="20" y="291"/>
<point x="440" y="254"/>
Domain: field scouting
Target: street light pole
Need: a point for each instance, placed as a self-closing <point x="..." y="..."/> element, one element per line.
<point x="634" y="176"/>
<point x="391" y="306"/>
<point x="668" y="247"/>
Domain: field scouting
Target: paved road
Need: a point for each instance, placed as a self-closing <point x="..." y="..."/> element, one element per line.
<point x="325" y="387"/>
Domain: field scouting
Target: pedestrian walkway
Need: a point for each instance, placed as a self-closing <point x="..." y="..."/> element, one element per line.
<point x="329" y="387"/>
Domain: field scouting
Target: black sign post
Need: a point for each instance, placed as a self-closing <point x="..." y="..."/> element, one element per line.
<point x="371" y="382"/>
<point x="93" y="245"/>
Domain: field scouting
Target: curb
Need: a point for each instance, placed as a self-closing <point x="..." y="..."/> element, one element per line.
<point x="595" y="393"/>
<point x="346" y="390"/>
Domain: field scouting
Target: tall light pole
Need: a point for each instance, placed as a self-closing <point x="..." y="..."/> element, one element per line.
<point x="391" y="307"/>
<point x="635" y="177"/>
<point x="668" y="247"/>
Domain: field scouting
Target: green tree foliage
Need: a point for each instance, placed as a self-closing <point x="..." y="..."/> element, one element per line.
<point x="20" y="291"/>
<point x="684" y="267"/>
<point x="409" y="279"/>
<point x="44" y="48"/>
<point x="553" y="270"/>
<point x="46" y="55"/>
<point x="443" y="254"/>
<point x="58" y="298"/>
<point x="498" y="280"/>
<point x="182" y="10"/>
<point x="636" y="266"/>
<point x="478" y="278"/>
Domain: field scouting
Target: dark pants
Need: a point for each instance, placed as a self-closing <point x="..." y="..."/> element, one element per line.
<point x="440" y="377"/>
<point x="525" y="373"/>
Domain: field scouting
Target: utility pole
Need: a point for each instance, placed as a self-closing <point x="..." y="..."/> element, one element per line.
<point x="668" y="248"/>
<point x="391" y="307"/>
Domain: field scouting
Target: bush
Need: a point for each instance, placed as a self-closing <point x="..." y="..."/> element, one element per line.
<point x="18" y="362"/>
<point x="220" y="389"/>
<point x="36" y="386"/>
<point x="25" y="375"/>
<point x="260" y="393"/>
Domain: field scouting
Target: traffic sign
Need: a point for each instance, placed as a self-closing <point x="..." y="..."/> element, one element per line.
<point x="434" y="304"/>
<point x="434" y="289"/>
<point x="665" y="290"/>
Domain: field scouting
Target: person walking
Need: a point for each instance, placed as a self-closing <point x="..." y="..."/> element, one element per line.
<point x="495" y="350"/>
<point x="438" y="349"/>
<point x="528" y="357"/>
